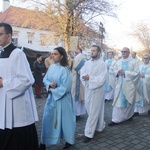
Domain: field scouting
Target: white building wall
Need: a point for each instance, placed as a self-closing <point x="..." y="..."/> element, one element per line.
<point x="4" y="4"/>
<point x="36" y="43"/>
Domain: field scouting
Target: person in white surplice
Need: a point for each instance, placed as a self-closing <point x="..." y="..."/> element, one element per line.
<point x="143" y="105"/>
<point x="126" y="89"/>
<point x="77" y="86"/>
<point x="135" y="57"/>
<point x="17" y="105"/>
<point x="93" y="77"/>
<point x="110" y="80"/>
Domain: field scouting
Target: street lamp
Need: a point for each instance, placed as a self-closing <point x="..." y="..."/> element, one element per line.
<point x="101" y="33"/>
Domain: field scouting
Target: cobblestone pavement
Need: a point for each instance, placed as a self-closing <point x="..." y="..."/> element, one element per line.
<point x="130" y="135"/>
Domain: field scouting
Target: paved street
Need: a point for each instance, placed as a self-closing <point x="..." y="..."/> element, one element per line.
<point x="131" y="135"/>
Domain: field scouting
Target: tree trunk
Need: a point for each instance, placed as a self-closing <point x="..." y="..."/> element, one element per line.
<point x="67" y="42"/>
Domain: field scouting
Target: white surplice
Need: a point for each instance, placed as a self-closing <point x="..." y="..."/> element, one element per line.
<point x="94" y="95"/>
<point x="126" y="90"/>
<point x="17" y="102"/>
<point x="137" y="60"/>
<point x="143" y="105"/>
<point x="110" y="80"/>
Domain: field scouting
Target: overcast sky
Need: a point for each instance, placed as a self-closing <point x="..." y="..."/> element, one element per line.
<point x="130" y="13"/>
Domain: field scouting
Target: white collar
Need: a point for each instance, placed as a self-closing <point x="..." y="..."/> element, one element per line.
<point x="126" y="59"/>
<point x="1" y="49"/>
<point x="6" y="45"/>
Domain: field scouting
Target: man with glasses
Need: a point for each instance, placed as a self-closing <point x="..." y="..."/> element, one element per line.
<point x="17" y="105"/>
<point x="143" y="105"/>
<point x="127" y="89"/>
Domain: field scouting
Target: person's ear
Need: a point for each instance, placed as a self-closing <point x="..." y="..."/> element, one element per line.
<point x="9" y="36"/>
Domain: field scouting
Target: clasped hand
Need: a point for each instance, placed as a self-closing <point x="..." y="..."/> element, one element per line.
<point x="53" y="85"/>
<point x="86" y="77"/>
<point x="142" y="75"/>
<point x="121" y="72"/>
<point x="1" y="82"/>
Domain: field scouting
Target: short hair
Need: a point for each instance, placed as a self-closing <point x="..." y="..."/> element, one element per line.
<point x="64" y="61"/>
<point x="134" y="52"/>
<point x="7" y="27"/>
<point x="127" y="48"/>
<point x="98" y="48"/>
<point x="110" y="52"/>
<point x="38" y="55"/>
<point x="146" y="55"/>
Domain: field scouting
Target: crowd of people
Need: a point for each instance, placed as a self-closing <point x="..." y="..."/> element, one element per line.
<point x="75" y="87"/>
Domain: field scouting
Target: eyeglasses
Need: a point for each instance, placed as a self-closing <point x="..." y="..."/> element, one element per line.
<point x="124" y="51"/>
<point x="145" y="58"/>
<point x="3" y="34"/>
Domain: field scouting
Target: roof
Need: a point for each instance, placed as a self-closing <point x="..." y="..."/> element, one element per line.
<point x="21" y="17"/>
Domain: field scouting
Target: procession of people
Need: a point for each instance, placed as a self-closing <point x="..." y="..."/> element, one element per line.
<point x="75" y="88"/>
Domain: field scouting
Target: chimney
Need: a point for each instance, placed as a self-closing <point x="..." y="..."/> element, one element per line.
<point x="4" y="4"/>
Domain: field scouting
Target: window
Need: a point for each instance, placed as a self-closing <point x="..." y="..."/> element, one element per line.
<point x="30" y="37"/>
<point x="48" y="39"/>
<point x="15" y="38"/>
<point x="43" y="39"/>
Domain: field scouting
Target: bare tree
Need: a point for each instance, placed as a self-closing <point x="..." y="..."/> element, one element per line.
<point x="70" y="17"/>
<point x="142" y="34"/>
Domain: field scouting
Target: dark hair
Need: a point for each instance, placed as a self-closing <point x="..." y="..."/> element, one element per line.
<point x="38" y="55"/>
<point x="7" y="27"/>
<point x="64" y="61"/>
<point x="80" y="50"/>
<point x="134" y="52"/>
<point x="98" y="48"/>
<point x="127" y="48"/>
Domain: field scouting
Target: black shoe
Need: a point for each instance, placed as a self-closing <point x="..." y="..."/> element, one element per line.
<point x="42" y="147"/>
<point x="106" y="100"/>
<point x="67" y="145"/>
<point x="86" y="139"/>
<point x="131" y="118"/>
<point x="112" y="123"/>
<point x="136" y="114"/>
<point x="78" y="118"/>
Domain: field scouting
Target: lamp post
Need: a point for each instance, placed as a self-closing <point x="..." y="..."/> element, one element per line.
<point x="101" y="36"/>
<point x="101" y="33"/>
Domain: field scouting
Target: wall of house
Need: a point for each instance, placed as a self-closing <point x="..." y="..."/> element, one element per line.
<point x="23" y="37"/>
<point x="4" y="4"/>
